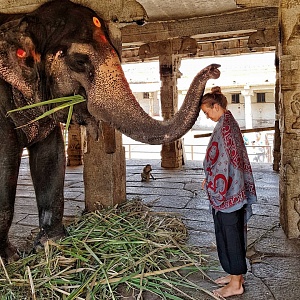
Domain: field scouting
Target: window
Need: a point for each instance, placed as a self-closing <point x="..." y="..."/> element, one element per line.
<point x="146" y="95"/>
<point x="261" y="97"/>
<point x="235" y="98"/>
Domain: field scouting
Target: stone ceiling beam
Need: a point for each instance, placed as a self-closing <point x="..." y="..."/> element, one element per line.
<point x="234" y="46"/>
<point x="257" y="3"/>
<point x="254" y="19"/>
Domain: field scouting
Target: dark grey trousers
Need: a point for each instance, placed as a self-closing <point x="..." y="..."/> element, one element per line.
<point x="230" y="238"/>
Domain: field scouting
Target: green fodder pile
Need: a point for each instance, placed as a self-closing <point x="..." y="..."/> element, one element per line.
<point x="123" y="250"/>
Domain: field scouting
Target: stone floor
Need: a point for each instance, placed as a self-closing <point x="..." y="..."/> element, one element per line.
<point x="274" y="261"/>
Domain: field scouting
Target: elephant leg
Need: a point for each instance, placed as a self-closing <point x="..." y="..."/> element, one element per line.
<point x="10" y="152"/>
<point x="47" y="165"/>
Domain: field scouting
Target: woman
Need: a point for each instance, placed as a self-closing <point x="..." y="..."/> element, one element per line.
<point x="231" y="191"/>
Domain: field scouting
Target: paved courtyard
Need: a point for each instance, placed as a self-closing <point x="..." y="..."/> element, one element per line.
<point x="274" y="261"/>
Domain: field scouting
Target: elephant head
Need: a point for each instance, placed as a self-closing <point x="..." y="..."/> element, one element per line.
<point x="62" y="49"/>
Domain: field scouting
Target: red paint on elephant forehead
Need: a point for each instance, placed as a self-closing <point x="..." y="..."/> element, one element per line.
<point x="21" y="53"/>
<point x="113" y="53"/>
<point x="36" y="56"/>
<point x="96" y="22"/>
<point x="99" y="36"/>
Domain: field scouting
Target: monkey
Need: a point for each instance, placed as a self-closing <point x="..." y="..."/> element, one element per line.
<point x="146" y="174"/>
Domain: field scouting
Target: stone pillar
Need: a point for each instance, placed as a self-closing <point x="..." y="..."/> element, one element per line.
<point x="104" y="169"/>
<point x="169" y="52"/>
<point x="248" y="93"/>
<point x="289" y="71"/>
<point x="171" y="153"/>
<point x="277" y="139"/>
<point x="75" y="145"/>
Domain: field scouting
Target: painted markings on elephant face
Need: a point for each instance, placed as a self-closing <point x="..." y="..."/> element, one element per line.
<point x="96" y="22"/>
<point x="36" y="56"/>
<point x="21" y="53"/>
<point x="102" y="38"/>
<point x="58" y="54"/>
<point x="99" y="35"/>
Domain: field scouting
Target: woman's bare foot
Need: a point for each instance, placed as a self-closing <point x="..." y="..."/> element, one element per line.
<point x="234" y="287"/>
<point x="227" y="291"/>
<point x="225" y="280"/>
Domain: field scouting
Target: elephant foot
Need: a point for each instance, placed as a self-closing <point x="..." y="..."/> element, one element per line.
<point x="43" y="236"/>
<point x="8" y="252"/>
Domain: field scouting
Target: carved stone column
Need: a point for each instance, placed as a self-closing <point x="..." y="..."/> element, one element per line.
<point x="258" y="41"/>
<point x="104" y="169"/>
<point x="277" y="139"/>
<point x="171" y="153"/>
<point x="248" y="93"/>
<point x="169" y="53"/>
<point x="75" y="145"/>
<point x="289" y="71"/>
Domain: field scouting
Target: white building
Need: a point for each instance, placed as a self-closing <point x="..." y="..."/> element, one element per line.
<point x="248" y="82"/>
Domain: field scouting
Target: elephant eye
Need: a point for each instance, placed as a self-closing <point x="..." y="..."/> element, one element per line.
<point x="78" y="62"/>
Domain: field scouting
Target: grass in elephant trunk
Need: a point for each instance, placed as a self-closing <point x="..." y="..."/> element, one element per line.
<point x="126" y="249"/>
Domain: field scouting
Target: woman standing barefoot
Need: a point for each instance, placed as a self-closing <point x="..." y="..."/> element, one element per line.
<point x="231" y="191"/>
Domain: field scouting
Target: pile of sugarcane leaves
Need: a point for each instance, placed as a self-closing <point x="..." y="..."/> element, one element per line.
<point x="126" y="250"/>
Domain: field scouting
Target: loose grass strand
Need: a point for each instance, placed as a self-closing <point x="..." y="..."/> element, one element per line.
<point x="31" y="283"/>
<point x="5" y="272"/>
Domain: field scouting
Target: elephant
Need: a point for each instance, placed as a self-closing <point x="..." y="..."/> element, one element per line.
<point x="62" y="49"/>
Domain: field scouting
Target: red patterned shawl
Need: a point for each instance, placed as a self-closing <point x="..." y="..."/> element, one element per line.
<point x="229" y="178"/>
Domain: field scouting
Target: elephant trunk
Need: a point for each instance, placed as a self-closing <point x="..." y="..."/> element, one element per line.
<point x="110" y="99"/>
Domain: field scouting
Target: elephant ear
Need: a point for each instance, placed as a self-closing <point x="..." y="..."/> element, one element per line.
<point x="19" y="66"/>
<point x="18" y="57"/>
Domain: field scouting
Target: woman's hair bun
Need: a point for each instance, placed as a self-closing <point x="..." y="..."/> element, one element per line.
<point x="216" y="89"/>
